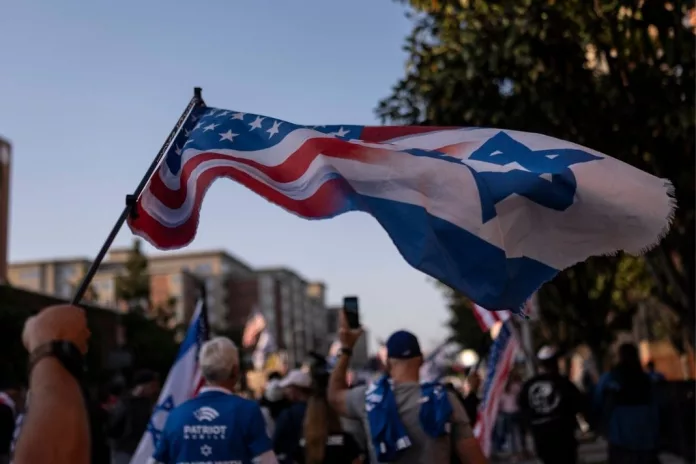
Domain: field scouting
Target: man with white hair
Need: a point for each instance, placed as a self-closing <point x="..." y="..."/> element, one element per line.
<point x="216" y="425"/>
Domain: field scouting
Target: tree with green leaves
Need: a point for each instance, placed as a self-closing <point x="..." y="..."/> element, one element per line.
<point x="614" y="75"/>
<point x="133" y="286"/>
<point x="462" y="322"/>
<point x="593" y="301"/>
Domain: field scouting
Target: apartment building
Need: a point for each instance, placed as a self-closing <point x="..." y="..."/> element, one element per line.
<point x="360" y="350"/>
<point x="57" y="277"/>
<point x="295" y="309"/>
<point x="177" y="277"/>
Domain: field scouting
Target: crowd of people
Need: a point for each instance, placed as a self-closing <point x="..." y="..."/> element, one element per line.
<point x="313" y="414"/>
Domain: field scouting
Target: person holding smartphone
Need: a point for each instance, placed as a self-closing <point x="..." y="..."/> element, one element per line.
<point x="390" y="408"/>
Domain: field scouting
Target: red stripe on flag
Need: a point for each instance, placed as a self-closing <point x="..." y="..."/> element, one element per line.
<point x="377" y="134"/>
<point x="487" y="416"/>
<point x="479" y="318"/>
<point x="321" y="204"/>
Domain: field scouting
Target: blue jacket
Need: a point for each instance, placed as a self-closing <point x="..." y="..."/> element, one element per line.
<point x="630" y="416"/>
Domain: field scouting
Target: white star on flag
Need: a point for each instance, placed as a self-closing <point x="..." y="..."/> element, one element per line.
<point x="227" y="136"/>
<point x="198" y="126"/>
<point x="210" y="127"/>
<point x="341" y="132"/>
<point x="177" y="150"/>
<point x="224" y="113"/>
<point x="239" y="116"/>
<point x="274" y="130"/>
<point x="257" y="123"/>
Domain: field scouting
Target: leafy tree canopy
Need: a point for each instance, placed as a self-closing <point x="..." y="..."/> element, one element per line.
<point x="133" y="286"/>
<point x="614" y="75"/>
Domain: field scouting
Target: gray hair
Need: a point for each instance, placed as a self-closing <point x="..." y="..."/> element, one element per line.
<point x="218" y="359"/>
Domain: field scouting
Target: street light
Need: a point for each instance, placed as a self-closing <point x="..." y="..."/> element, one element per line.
<point x="468" y="358"/>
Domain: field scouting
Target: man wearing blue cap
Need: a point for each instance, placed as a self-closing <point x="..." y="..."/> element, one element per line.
<point x="405" y="421"/>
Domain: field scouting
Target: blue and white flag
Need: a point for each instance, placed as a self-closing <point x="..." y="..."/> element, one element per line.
<point x="437" y="362"/>
<point x="334" y="351"/>
<point x="492" y="213"/>
<point x="183" y="382"/>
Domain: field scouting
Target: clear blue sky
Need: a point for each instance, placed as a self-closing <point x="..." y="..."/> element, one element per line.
<point x="90" y="90"/>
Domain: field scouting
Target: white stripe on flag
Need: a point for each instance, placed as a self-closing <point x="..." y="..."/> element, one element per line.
<point x="487" y="415"/>
<point x="487" y="319"/>
<point x="181" y="384"/>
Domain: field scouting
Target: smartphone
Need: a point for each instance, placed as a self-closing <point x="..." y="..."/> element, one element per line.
<point x="350" y="309"/>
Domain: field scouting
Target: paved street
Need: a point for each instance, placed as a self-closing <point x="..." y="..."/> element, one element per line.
<point x="594" y="453"/>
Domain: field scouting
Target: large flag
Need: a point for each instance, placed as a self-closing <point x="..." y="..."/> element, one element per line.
<point x="492" y="213"/>
<point x="183" y="381"/>
<point x="501" y="359"/>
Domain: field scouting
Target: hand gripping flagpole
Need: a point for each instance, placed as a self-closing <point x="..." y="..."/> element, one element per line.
<point x="197" y="100"/>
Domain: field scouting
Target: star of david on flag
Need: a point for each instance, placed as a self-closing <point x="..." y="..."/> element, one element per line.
<point x="183" y="382"/>
<point x="492" y="213"/>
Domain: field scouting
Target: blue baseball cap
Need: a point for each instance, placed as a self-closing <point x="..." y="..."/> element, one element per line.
<point x="403" y="345"/>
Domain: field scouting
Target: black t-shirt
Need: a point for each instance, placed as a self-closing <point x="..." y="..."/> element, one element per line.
<point x="341" y="448"/>
<point x="550" y="402"/>
<point x="7" y="425"/>
<point x="471" y="404"/>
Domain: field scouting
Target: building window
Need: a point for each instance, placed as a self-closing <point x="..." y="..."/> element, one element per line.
<point x="203" y="269"/>
<point x="65" y="290"/>
<point x="104" y="286"/>
<point x="211" y="284"/>
<point x="30" y="274"/>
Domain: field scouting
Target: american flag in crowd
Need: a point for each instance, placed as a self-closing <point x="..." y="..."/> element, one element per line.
<point x="253" y="329"/>
<point x="487" y="319"/>
<point x="492" y="213"/>
<point x="183" y="382"/>
<point x="501" y="359"/>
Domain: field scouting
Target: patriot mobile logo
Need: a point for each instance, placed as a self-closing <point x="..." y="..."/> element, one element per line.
<point x="206" y="414"/>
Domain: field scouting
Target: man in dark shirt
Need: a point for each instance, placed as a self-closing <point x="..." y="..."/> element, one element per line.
<point x="549" y="402"/>
<point x="10" y="397"/>
<point x="471" y="400"/>
<point x="288" y="427"/>
<point x="130" y="416"/>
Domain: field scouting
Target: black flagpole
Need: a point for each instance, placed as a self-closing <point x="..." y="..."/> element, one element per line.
<point x="131" y="199"/>
<point x="203" y="295"/>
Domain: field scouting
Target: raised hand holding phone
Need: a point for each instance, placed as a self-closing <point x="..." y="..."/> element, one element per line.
<point x="350" y="309"/>
<point x="349" y="329"/>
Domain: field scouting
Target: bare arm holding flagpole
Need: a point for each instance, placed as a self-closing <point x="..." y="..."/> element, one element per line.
<point x="56" y="428"/>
